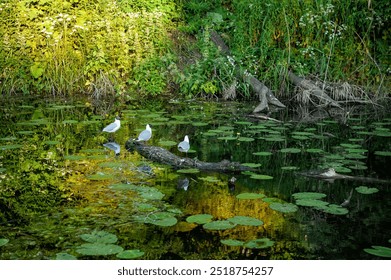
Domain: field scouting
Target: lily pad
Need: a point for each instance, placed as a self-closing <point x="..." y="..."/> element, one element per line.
<point x="98" y="249"/>
<point x="232" y="242"/>
<point x="210" y="179"/>
<point x="163" y="219"/>
<point x="283" y="207"/>
<point x="308" y="195"/>
<point x="245" y="221"/>
<point x="130" y="254"/>
<point x="250" y="196"/>
<point x="379" y="251"/>
<point x="151" y="194"/>
<point x="315" y="151"/>
<point x="99" y="237"/>
<point x="335" y="209"/>
<point x="65" y="256"/>
<point x="252" y="165"/>
<point x="245" y="139"/>
<point x="219" y="225"/>
<point x="199" y="218"/>
<point x="261" y="177"/>
<point x="262" y="154"/>
<point x="3" y="241"/>
<point x="311" y="203"/>
<point x="366" y="190"/>
<point x="290" y="150"/>
<point x="259" y="243"/>
<point x="383" y="153"/>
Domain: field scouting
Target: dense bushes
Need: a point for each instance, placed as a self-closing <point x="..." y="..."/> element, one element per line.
<point x="80" y="46"/>
<point x="145" y="47"/>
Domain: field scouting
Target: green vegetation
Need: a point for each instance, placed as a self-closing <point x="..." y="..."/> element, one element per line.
<point x="142" y="48"/>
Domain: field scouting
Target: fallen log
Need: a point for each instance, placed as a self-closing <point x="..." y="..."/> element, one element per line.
<point x="331" y="175"/>
<point x="265" y="95"/>
<point x="163" y="156"/>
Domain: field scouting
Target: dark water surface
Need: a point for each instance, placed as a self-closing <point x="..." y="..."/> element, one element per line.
<point x="65" y="194"/>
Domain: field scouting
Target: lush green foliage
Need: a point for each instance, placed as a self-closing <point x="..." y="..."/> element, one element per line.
<point x="68" y="47"/>
<point x="335" y="40"/>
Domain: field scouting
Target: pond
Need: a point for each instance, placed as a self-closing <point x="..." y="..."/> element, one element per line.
<point x="70" y="191"/>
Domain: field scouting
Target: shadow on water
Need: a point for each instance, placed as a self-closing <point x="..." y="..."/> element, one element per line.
<point x="69" y="190"/>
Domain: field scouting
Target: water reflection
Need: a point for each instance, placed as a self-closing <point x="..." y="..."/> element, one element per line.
<point x="114" y="147"/>
<point x="183" y="184"/>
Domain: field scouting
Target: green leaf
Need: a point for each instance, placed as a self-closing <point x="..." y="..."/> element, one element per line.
<point x="65" y="256"/>
<point x="99" y="237"/>
<point x="335" y="209"/>
<point x="219" y="225"/>
<point x="98" y="249"/>
<point x="188" y="171"/>
<point x="366" y="190"/>
<point x="250" y="196"/>
<point x="283" y="207"/>
<point x="261" y="177"/>
<point x="379" y="251"/>
<point x="36" y="70"/>
<point x="130" y="254"/>
<point x="3" y="241"/>
<point x="308" y="195"/>
<point x="311" y="203"/>
<point x="259" y="243"/>
<point x="232" y="242"/>
<point x="199" y="218"/>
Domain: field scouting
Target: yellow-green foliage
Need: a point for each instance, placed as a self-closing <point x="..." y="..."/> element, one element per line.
<point x="78" y="46"/>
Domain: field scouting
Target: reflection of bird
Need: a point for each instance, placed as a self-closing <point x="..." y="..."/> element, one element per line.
<point x="183" y="184"/>
<point x="114" y="147"/>
<point x="231" y="184"/>
<point x="114" y="126"/>
<point x="146" y="134"/>
<point x="184" y="146"/>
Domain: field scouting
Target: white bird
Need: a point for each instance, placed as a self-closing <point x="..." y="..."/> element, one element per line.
<point x="114" y="126"/>
<point x="184" y="146"/>
<point x="146" y="134"/>
<point x="114" y="147"/>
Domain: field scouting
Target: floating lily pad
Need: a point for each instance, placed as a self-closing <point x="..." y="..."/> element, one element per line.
<point x="65" y="256"/>
<point x="130" y="254"/>
<point x="10" y="147"/>
<point x="125" y="187"/>
<point x="244" y="123"/>
<point x="219" y="225"/>
<point x="98" y="249"/>
<point x="379" y="251"/>
<point x="262" y="154"/>
<point x="199" y="124"/>
<point x="232" y="242"/>
<point x="283" y="207"/>
<point x="250" y="196"/>
<point x="227" y="138"/>
<point x="245" y="139"/>
<point x="383" y="153"/>
<point x="189" y="171"/>
<point x="9" y="138"/>
<point x="290" y="150"/>
<point x="163" y="219"/>
<point x="272" y="199"/>
<point x="99" y="237"/>
<point x="199" y="218"/>
<point x="151" y="193"/>
<point x="145" y="207"/>
<point x="245" y="221"/>
<point x="261" y="177"/>
<point x="315" y="151"/>
<point x="366" y="190"/>
<point x="335" y="209"/>
<point x="259" y="243"/>
<point x="308" y="195"/>
<point x="311" y="203"/>
<point x="3" y="241"/>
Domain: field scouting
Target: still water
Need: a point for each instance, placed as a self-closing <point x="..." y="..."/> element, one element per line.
<point x="70" y="191"/>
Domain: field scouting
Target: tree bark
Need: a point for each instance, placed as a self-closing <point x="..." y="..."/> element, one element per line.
<point x="163" y="156"/>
